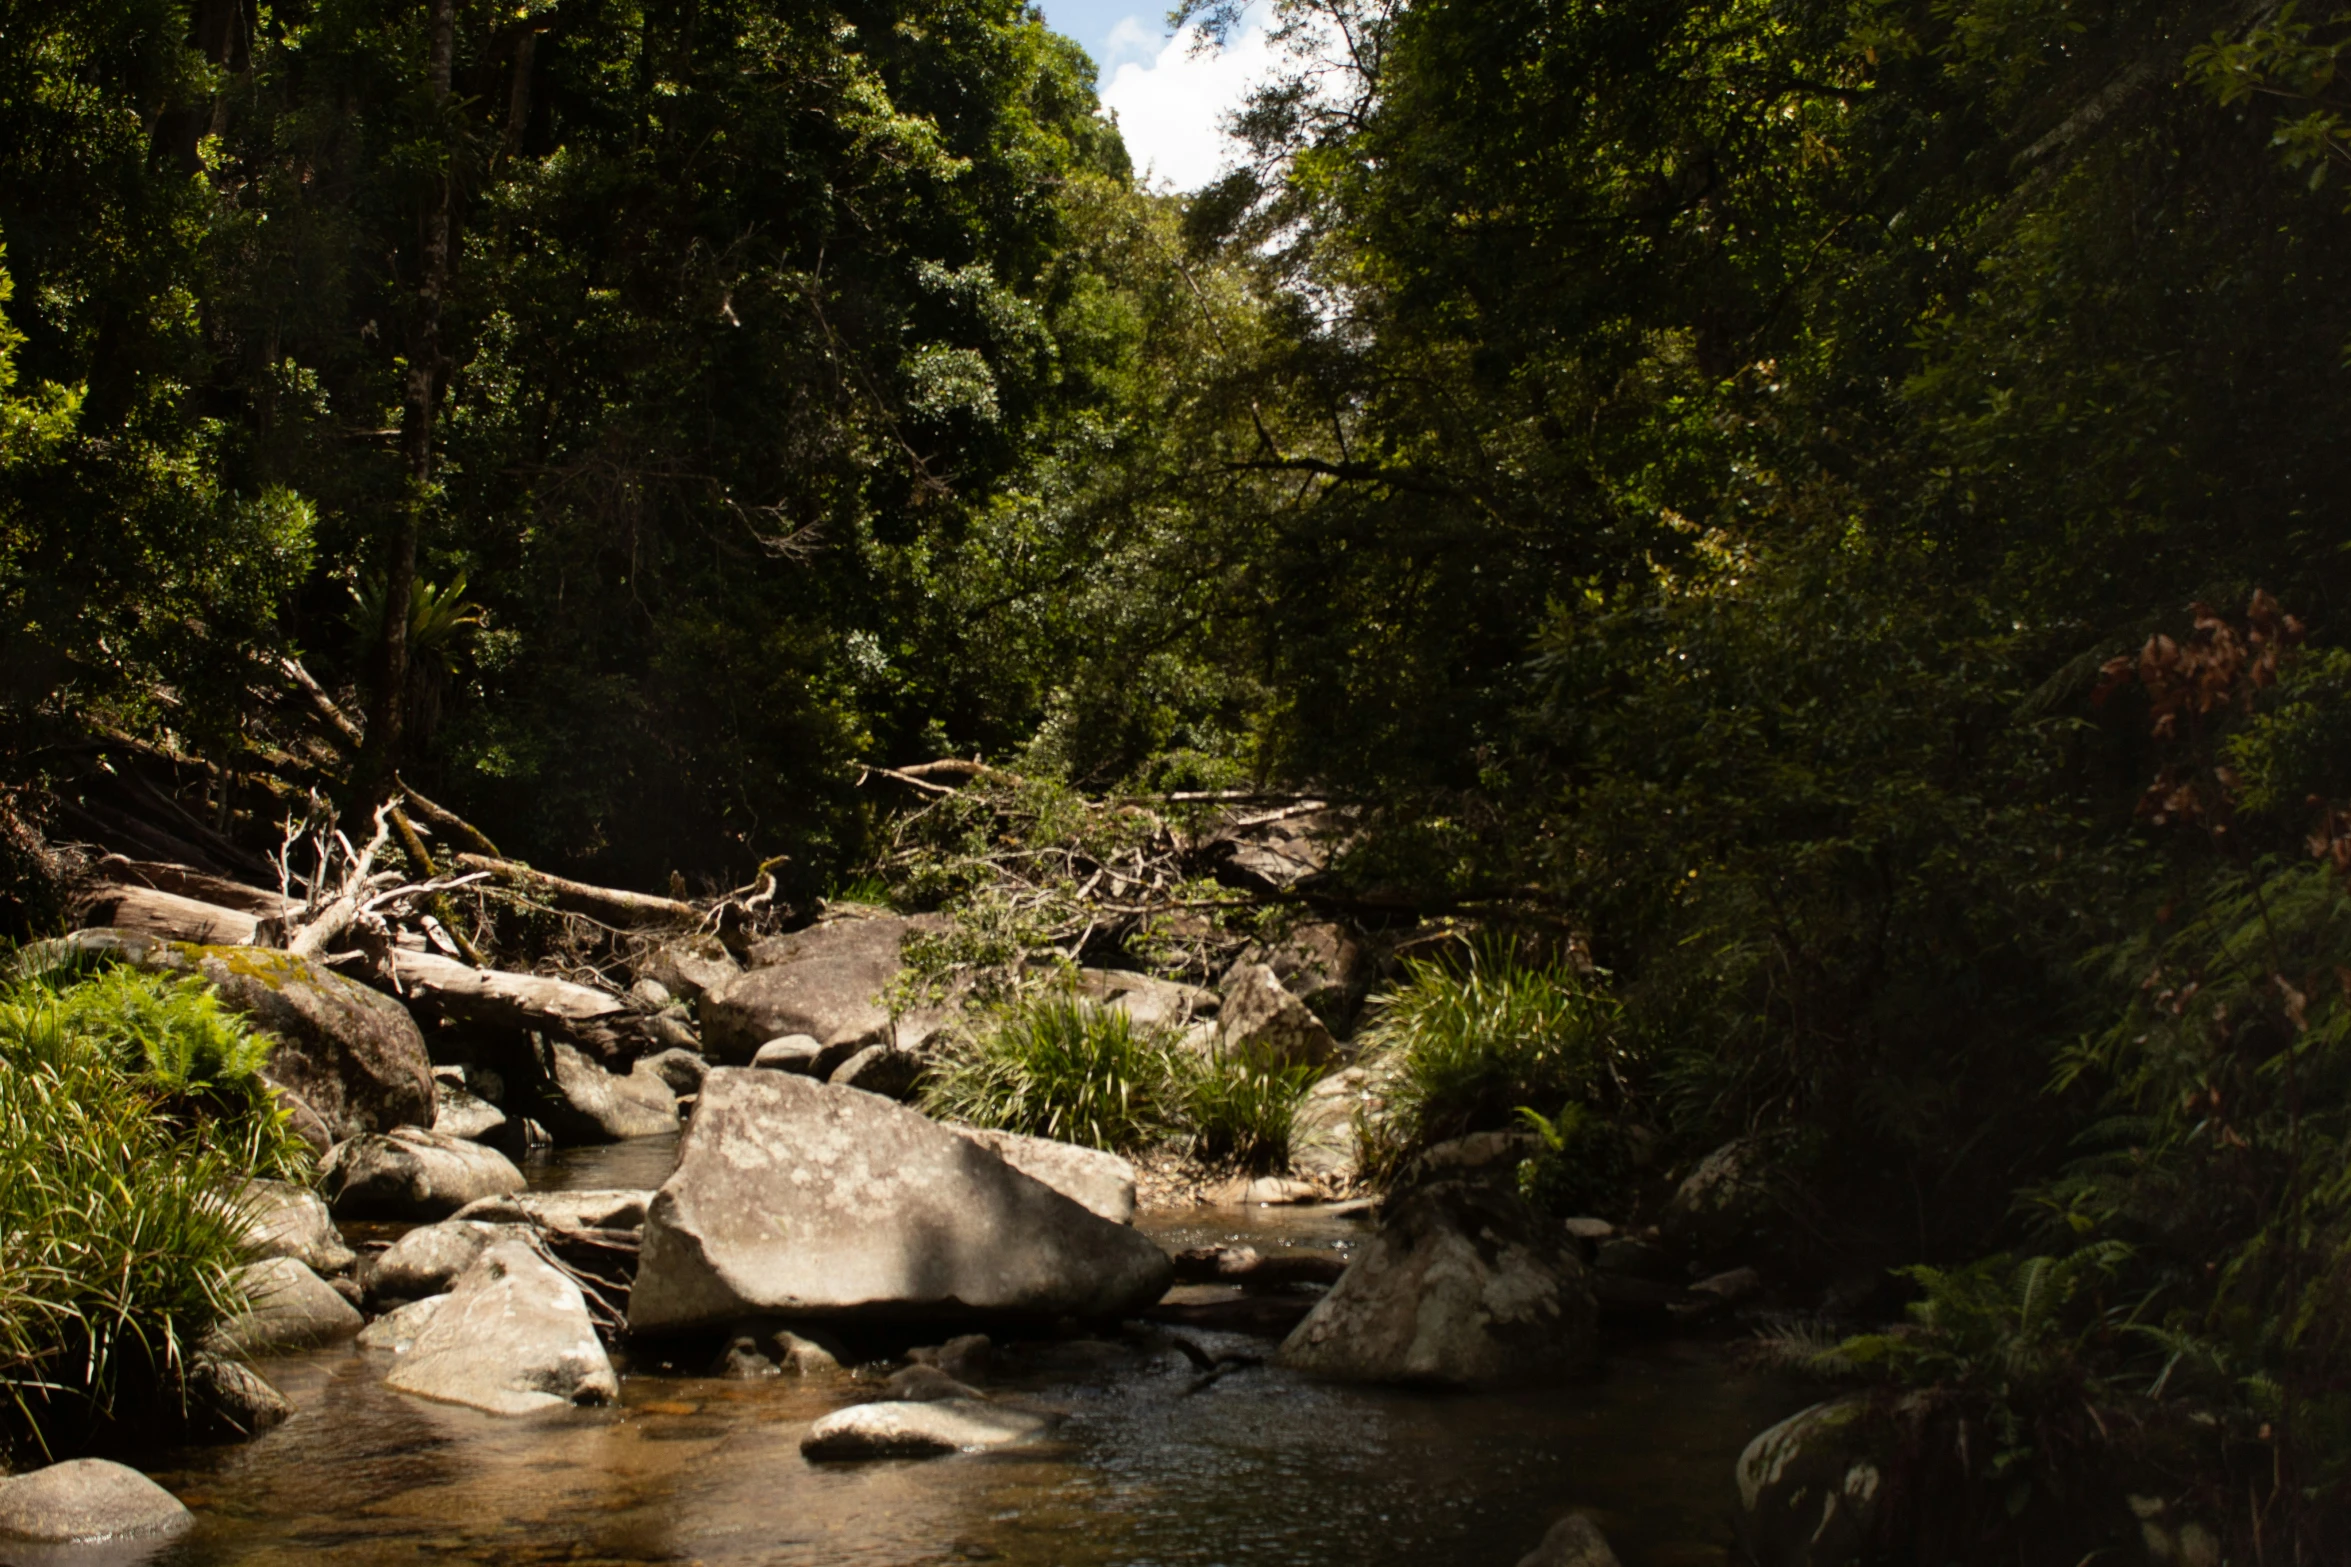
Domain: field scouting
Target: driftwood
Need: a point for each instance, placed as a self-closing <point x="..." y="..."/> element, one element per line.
<point x="337" y="914"/>
<point x="611" y="905"/>
<point x="534" y="1003"/>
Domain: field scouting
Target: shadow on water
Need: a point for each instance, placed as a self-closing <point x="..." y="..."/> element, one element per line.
<point x="1261" y="1468"/>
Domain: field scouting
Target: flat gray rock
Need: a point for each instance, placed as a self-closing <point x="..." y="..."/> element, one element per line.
<point x="1464" y="1286"/>
<point x="427" y="1260"/>
<point x="1102" y="1183"/>
<point x="794" y="1198"/>
<point x="613" y="1208"/>
<point x="288" y="1307"/>
<point x="513" y="1338"/>
<point x="285" y="1220"/>
<point x="466" y="1115"/>
<point x="790" y="1053"/>
<point x="920" y="1430"/>
<point x="397" y="1329"/>
<point x="413" y="1174"/>
<point x="87" y="1499"/>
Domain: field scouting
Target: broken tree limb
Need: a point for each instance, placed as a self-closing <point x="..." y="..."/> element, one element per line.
<point x="321" y="703"/>
<point x="436" y="905"/>
<point x="188" y="882"/>
<point x="441" y="819"/>
<point x="610" y="904"/>
<point x="312" y="940"/>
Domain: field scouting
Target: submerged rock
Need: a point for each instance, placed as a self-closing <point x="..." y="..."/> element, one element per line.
<point x="920" y="1430"/>
<point x="285" y="1220"/>
<point x="287" y="1307"/>
<point x="1464" y="1286"/>
<point x="514" y="1337"/>
<point x="798" y="1199"/>
<point x="397" y="1329"/>
<point x="1100" y="1182"/>
<point x="88" y="1500"/>
<point x="228" y="1401"/>
<point x="1573" y="1542"/>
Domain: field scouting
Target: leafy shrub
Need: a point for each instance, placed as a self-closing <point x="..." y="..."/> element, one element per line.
<point x="1468" y="1047"/>
<point x="1582" y="1165"/>
<point x="1056" y="1067"/>
<point x="128" y="1107"/>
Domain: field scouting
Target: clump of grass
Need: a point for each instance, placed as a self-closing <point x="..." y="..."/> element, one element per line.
<point x="129" y="1106"/>
<point x="1239" y="1113"/>
<point x="1469" y="1045"/>
<point x="1053" y="1066"/>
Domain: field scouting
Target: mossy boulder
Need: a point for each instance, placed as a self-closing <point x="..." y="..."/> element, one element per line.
<point x="351" y="1055"/>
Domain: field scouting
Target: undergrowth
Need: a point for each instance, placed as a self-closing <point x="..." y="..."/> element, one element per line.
<point x="129" y="1108"/>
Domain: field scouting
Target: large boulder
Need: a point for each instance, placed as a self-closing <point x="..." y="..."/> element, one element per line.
<point x="397" y="1329"/>
<point x="287" y="1307"/>
<point x="826" y="982"/>
<point x="1464" y="1286"/>
<point x="514" y="1337"/>
<point x="580" y="1102"/>
<point x="285" y="1220"/>
<point x="414" y="1174"/>
<point x="1725" y="1209"/>
<point x="85" y="1500"/>
<point x="352" y="1055"/>
<point x="691" y="967"/>
<point x="1101" y="1182"/>
<point x="924" y="1429"/>
<point x="1325" y="1143"/>
<point x="1812" y="1488"/>
<point x="1261" y="1022"/>
<point x="1323" y="965"/>
<point x="794" y="1198"/>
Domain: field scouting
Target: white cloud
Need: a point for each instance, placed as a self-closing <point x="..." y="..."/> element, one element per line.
<point x="1172" y="110"/>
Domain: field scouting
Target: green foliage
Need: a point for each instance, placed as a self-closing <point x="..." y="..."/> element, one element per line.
<point x="1052" y="1065"/>
<point x="1468" y="1045"/>
<point x="2024" y="1340"/>
<point x="1582" y="1167"/>
<point x="128" y="1114"/>
<point x="1057" y="1067"/>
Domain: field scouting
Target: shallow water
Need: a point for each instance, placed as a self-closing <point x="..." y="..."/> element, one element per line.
<point x="1260" y="1468"/>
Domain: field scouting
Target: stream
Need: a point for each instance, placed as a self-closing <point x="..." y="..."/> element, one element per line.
<point x="1260" y="1468"/>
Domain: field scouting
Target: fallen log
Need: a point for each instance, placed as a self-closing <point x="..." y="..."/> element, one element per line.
<point x="188" y="882"/>
<point x="530" y="1003"/>
<point x="173" y="918"/>
<point x="612" y="905"/>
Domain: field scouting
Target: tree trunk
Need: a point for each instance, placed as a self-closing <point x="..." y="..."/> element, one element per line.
<point x="387" y="724"/>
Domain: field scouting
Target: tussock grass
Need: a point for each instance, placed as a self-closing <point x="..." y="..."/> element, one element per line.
<point x="1054" y="1066"/>
<point x="1472" y="1043"/>
<point x="129" y="1107"/>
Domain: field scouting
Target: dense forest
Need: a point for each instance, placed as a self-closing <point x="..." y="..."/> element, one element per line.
<point x="1831" y="512"/>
